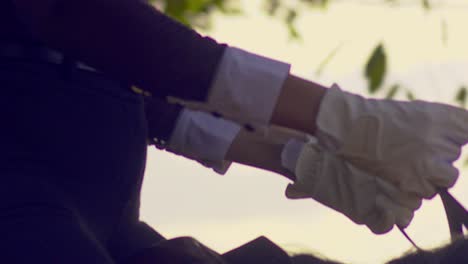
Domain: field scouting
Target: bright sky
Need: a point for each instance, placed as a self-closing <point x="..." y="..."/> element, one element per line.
<point x="182" y="198"/>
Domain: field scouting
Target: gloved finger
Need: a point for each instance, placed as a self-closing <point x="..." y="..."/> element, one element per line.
<point x="405" y="199"/>
<point x="418" y="185"/>
<point x="446" y="147"/>
<point x="441" y="174"/>
<point x="402" y="215"/>
<point x="380" y="220"/>
<point x="431" y="173"/>
<point x="457" y="125"/>
<point x="294" y="192"/>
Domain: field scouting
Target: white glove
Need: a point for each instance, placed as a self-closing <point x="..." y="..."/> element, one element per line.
<point x="411" y="144"/>
<point x="363" y="198"/>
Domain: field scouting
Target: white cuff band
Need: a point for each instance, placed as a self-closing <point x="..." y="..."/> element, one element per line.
<point x="203" y="137"/>
<point x="247" y="86"/>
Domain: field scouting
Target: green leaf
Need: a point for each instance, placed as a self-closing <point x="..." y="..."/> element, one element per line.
<point x="324" y="3"/>
<point x="376" y="69"/>
<point x="175" y="7"/>
<point x="426" y="4"/>
<point x="228" y="7"/>
<point x="291" y="16"/>
<point x="290" y="20"/>
<point x="293" y="32"/>
<point x="461" y="96"/>
<point x="392" y="1"/>
<point x="272" y="7"/>
<point x="317" y="3"/>
<point x="445" y="34"/>
<point x="393" y="91"/>
<point x="410" y="96"/>
<point x="328" y="59"/>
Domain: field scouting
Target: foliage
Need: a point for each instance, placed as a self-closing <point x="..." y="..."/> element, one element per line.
<point x="461" y="96"/>
<point x="376" y="68"/>
<point x="196" y="13"/>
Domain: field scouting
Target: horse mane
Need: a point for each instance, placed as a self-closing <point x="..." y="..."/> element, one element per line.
<point x="453" y="253"/>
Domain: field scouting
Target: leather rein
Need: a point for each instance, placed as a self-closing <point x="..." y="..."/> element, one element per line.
<point x="457" y="217"/>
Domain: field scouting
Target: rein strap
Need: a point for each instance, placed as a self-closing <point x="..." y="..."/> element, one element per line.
<point x="457" y="217"/>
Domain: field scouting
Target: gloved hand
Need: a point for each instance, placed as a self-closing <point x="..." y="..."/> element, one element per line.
<point x="411" y="144"/>
<point x="363" y="198"/>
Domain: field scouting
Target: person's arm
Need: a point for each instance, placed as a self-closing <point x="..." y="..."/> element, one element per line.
<point x="298" y="104"/>
<point x="213" y="141"/>
<point x="132" y="41"/>
<point x="263" y="151"/>
<point x="316" y="173"/>
<point x="128" y="40"/>
<point x="162" y="119"/>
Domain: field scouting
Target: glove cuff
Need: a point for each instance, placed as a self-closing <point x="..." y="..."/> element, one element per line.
<point x="307" y="171"/>
<point x="290" y="154"/>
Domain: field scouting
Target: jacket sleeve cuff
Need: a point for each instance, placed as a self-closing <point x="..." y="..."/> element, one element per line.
<point x="204" y="138"/>
<point x="245" y="88"/>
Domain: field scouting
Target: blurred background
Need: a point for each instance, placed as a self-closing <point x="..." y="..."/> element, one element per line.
<point x="404" y="50"/>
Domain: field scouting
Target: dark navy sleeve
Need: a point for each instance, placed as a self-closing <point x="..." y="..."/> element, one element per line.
<point x="161" y="119"/>
<point x="165" y="57"/>
<point x="188" y="61"/>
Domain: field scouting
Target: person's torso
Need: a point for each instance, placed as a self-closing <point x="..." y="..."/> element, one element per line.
<point x="11" y="27"/>
<point x="85" y="132"/>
